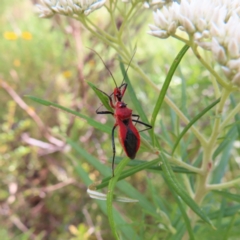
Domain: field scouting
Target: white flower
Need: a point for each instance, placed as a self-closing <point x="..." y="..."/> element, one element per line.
<point x="68" y="7"/>
<point x="214" y="25"/>
<point x="154" y="4"/>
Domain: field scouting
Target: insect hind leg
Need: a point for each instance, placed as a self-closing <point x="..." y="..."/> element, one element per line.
<point x="114" y="149"/>
<point x="143" y="123"/>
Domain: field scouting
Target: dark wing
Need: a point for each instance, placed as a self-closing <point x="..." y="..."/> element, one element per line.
<point x="131" y="144"/>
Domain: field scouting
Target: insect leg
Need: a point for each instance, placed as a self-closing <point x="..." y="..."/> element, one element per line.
<point x="114" y="149"/>
<point x="104" y="112"/>
<point x="137" y="116"/>
<point x="145" y="124"/>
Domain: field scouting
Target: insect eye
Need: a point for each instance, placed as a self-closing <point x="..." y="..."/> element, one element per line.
<point x="123" y="105"/>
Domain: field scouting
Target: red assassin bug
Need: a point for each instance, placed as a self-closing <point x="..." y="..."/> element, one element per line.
<point x="128" y="134"/>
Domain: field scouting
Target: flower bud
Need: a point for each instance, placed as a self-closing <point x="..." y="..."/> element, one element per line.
<point x="236" y="79"/>
<point x="233" y="48"/>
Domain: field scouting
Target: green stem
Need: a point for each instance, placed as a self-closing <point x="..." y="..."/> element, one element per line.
<point x="209" y="68"/>
<point x="209" y="148"/>
<point x="201" y="186"/>
<point x="188" y="185"/>
<point x="215" y="86"/>
<point x="181" y="39"/>
<point x="168" y="101"/>
<point x="105" y="38"/>
<point x="180" y="163"/>
<point x="230" y="116"/>
<point x="125" y="20"/>
<point x="103" y="33"/>
<point x="223" y="185"/>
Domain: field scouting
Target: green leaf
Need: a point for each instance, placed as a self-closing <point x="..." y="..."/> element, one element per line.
<point x="229" y="211"/>
<point x="228" y="139"/>
<point x="231" y="196"/>
<point x="185" y="217"/>
<point x="102" y="96"/>
<point x="197" y="117"/>
<point x="168" y="79"/>
<point x="128" y="232"/>
<point x="229" y="227"/>
<point x="110" y="197"/>
<point x="129" y="172"/>
<point x="90" y="121"/>
<point x="219" y="171"/>
<point x="174" y="184"/>
<point x="137" y="162"/>
<point x="237" y="117"/>
<point x="184" y="94"/>
<point x="125" y="187"/>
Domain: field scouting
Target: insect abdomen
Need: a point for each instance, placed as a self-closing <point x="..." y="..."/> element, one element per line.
<point x="131" y="144"/>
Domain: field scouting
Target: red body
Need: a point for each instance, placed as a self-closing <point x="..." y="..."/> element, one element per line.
<point x="127" y="133"/>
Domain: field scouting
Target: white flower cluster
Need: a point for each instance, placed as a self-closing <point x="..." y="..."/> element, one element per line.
<point x="156" y="3"/>
<point x="68" y="7"/>
<point x="213" y="25"/>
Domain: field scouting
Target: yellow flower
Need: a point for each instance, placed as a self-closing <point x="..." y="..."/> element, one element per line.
<point x="92" y="63"/>
<point x="67" y="74"/>
<point x="27" y="35"/>
<point x="16" y="62"/>
<point x="10" y="35"/>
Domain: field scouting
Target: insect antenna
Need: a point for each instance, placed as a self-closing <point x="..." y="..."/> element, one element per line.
<point x="104" y="65"/>
<point x="125" y="74"/>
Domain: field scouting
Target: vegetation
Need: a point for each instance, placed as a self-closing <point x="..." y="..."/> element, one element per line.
<point x="56" y="152"/>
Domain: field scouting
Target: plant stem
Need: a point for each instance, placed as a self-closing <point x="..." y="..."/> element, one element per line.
<point x="169" y="102"/>
<point x="201" y="187"/>
<point x="230" y="116"/>
<point x="209" y="68"/>
<point x="223" y="185"/>
<point x="183" y="164"/>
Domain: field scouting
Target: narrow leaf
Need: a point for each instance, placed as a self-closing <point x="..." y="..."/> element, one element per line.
<point x="128" y="232"/>
<point x="185" y="217"/>
<point x="103" y="97"/>
<point x="128" y="172"/>
<point x="90" y="121"/>
<point x="229" y="211"/>
<point x="231" y="196"/>
<point x="229" y="227"/>
<point x="197" y="117"/>
<point x="168" y="79"/>
<point x="237" y="117"/>
<point x="222" y="166"/>
<point x="173" y="182"/>
<point x="110" y="197"/>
